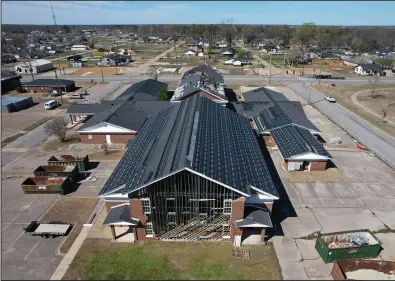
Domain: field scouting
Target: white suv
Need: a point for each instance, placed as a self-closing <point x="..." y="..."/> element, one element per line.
<point x="330" y="99"/>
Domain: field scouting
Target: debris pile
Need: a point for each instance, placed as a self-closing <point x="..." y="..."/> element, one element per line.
<point x="355" y="241"/>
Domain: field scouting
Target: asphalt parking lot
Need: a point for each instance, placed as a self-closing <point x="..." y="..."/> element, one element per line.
<point x="364" y="199"/>
<point x="31" y="257"/>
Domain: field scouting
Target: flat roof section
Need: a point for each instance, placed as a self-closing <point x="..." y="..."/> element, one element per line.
<point x="5" y="100"/>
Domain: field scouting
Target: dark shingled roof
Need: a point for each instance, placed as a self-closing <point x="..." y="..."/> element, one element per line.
<point x="92" y="109"/>
<point x="256" y="217"/>
<point x="120" y="214"/>
<point x="48" y="82"/>
<point x="271" y="110"/>
<point x="371" y="66"/>
<point x="144" y="90"/>
<point x="293" y="140"/>
<point x="200" y="78"/>
<point x="129" y="114"/>
<point x="189" y="136"/>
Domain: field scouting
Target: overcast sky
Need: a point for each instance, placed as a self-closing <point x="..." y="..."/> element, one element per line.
<point x="155" y="12"/>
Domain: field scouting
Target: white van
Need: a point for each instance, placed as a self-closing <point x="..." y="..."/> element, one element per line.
<point x="51" y="104"/>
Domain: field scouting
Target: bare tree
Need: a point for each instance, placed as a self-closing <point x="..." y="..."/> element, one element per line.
<point x="57" y="127"/>
<point x="228" y="31"/>
<point x="374" y="80"/>
<point x="255" y="68"/>
<point x="104" y="148"/>
<point x="154" y="72"/>
<point x="384" y="112"/>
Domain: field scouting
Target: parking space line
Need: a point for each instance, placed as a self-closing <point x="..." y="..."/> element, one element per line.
<point x="32" y="249"/>
<point x="9" y="204"/>
<point x="20" y="213"/>
<point x="388" y="191"/>
<point x="315" y="189"/>
<point x="13" y="243"/>
<point x="297" y="193"/>
<point x="373" y="194"/>
<point x="335" y="193"/>
<point x="354" y="193"/>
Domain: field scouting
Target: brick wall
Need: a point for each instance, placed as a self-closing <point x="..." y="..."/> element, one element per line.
<point x="94" y="139"/>
<point x="38" y="89"/>
<point x="318" y="166"/>
<point x="136" y="211"/>
<point x="269" y="141"/>
<point x="237" y="214"/>
<point x="101" y="138"/>
<point x="122" y="138"/>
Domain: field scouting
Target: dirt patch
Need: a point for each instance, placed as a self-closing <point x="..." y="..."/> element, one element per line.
<point x="74" y="211"/>
<point x="167" y="260"/>
<point x="56" y="144"/>
<point x="111" y="155"/>
<point x="342" y="93"/>
<point x="383" y="99"/>
<point x="331" y="174"/>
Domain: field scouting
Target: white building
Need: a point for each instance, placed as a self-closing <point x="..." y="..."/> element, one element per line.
<point x="79" y="48"/>
<point x="369" y="69"/>
<point x="38" y="66"/>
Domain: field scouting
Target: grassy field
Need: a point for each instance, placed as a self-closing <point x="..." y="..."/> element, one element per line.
<point x="100" y="259"/>
<point x="343" y="94"/>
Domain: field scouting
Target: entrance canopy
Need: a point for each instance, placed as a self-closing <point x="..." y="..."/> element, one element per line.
<point x="120" y="215"/>
<point x="258" y="218"/>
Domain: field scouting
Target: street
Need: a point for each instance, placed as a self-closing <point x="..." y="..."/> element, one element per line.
<point x="230" y="79"/>
<point x="373" y="138"/>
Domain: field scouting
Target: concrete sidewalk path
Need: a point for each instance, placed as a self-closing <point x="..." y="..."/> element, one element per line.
<point x="69" y="257"/>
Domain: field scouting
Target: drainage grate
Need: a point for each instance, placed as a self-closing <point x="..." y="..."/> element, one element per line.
<point x="238" y="253"/>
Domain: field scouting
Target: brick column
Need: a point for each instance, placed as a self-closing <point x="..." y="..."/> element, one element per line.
<point x="136" y="211"/>
<point x="237" y="214"/>
<point x="113" y="231"/>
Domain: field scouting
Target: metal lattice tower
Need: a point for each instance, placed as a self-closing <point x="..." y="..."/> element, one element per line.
<point x="53" y="14"/>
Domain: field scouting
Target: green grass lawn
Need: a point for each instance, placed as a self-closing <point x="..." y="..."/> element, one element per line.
<point x="101" y="259"/>
<point x="279" y="59"/>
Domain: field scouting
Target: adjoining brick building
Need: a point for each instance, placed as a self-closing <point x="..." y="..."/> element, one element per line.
<point x="282" y="123"/>
<point x="119" y="120"/>
<point x="202" y="80"/>
<point x="188" y="177"/>
<point x="48" y="85"/>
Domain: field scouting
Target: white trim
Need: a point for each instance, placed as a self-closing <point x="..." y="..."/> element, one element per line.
<point x="220" y="183"/>
<point x="269" y="196"/>
<point x="121" y="223"/>
<point x="119" y="205"/>
<point x="108" y="139"/>
<point x="253" y="225"/>
<point x="105" y="127"/>
<point x="114" y="195"/>
<point x="308" y="156"/>
<point x="151" y="182"/>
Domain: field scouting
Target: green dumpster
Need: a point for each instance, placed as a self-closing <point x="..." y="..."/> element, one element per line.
<point x="356" y="244"/>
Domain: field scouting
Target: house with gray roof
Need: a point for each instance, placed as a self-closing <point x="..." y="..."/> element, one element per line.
<point x="188" y="177"/>
<point x="369" y="69"/>
<point x="201" y="80"/>
<point x="117" y="121"/>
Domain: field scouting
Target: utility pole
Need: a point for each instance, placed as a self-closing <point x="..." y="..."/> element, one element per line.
<point x="30" y="68"/>
<point x="57" y="79"/>
<point x="283" y="70"/>
<point x="101" y="68"/>
<point x="270" y="69"/>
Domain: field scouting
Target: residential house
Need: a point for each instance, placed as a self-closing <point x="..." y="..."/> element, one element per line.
<point x="79" y="48"/>
<point x="311" y="55"/>
<point x="48" y="85"/>
<point x="268" y="48"/>
<point x="193" y="53"/>
<point x="36" y="66"/>
<point x="201" y="80"/>
<point x="282" y="123"/>
<point x="114" y="60"/>
<point x="228" y="52"/>
<point x="195" y="172"/>
<point x="369" y="69"/>
<point x="238" y="62"/>
<point x="221" y="45"/>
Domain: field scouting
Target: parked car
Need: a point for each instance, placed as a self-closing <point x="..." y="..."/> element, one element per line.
<point x="76" y="96"/>
<point x="315" y="76"/>
<point x="83" y="92"/>
<point x="56" y="93"/>
<point x="51" y="104"/>
<point x="330" y="99"/>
